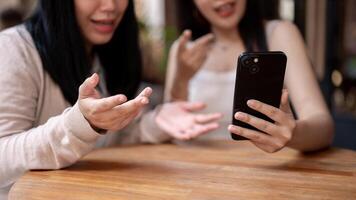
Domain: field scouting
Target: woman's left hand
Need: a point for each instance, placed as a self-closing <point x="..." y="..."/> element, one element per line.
<point x="276" y="135"/>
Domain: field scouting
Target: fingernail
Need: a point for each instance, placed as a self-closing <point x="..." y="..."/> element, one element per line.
<point x="230" y="127"/>
<point x="93" y="78"/>
<point x="121" y="98"/>
<point x="144" y="101"/>
<point x="251" y="103"/>
<point x="233" y="129"/>
<point x="240" y="115"/>
<point x="148" y="91"/>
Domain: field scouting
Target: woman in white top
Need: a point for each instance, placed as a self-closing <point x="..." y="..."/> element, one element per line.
<point x="51" y="114"/>
<point x="204" y="70"/>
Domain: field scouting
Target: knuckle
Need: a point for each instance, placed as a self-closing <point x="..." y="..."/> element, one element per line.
<point x="257" y="137"/>
<point x="240" y="131"/>
<point x="247" y="118"/>
<point x="272" y="150"/>
<point x="278" y="145"/>
<point x="286" y="137"/>
<point x="273" y="112"/>
<point x="94" y="110"/>
<point x="91" y="114"/>
<point x="132" y="105"/>
<point x="104" y="105"/>
<point x="264" y="126"/>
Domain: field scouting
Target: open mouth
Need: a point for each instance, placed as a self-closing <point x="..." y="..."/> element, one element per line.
<point x="103" y="22"/>
<point x="104" y="26"/>
<point x="226" y="9"/>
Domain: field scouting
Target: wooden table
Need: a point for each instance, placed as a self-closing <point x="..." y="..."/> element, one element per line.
<point x="201" y="171"/>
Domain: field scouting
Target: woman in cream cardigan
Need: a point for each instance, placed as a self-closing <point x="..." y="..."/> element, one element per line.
<point x="51" y="114"/>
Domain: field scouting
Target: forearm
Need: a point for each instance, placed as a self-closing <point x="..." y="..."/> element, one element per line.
<point x="179" y="90"/>
<point x="313" y="133"/>
<point x="58" y="143"/>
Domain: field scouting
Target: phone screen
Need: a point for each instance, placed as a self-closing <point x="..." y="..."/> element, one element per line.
<point x="259" y="76"/>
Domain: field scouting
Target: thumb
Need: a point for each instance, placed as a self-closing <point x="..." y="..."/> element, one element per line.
<point x="87" y="89"/>
<point x="193" y="106"/>
<point x="183" y="40"/>
<point x="285" y="107"/>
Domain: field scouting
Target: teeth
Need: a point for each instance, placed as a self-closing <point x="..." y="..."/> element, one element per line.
<point x="104" y="22"/>
<point x="226" y="7"/>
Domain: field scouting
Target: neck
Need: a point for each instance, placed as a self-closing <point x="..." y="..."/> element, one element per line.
<point x="226" y="35"/>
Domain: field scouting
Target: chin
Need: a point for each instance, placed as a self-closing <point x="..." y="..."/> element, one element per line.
<point x="101" y="40"/>
<point x="226" y="26"/>
<point x="227" y="23"/>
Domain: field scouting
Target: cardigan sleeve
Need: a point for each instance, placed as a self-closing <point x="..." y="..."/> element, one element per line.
<point x="58" y="143"/>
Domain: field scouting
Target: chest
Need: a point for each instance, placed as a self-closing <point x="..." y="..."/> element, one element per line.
<point x="51" y="101"/>
<point x="223" y="58"/>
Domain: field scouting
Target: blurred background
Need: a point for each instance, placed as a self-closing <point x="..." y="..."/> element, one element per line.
<point x="328" y="27"/>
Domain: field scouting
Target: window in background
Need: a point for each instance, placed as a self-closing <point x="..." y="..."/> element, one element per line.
<point x="287" y="9"/>
<point x="151" y="19"/>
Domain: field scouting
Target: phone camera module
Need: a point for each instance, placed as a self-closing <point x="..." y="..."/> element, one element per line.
<point x="254" y="69"/>
<point x="247" y="61"/>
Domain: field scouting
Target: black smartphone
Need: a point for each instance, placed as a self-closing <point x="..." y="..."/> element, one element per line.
<point x="259" y="76"/>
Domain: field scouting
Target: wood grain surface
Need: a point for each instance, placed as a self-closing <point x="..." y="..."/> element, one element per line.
<point x="200" y="170"/>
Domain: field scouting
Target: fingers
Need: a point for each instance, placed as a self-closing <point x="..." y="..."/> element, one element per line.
<point x="199" y="130"/>
<point x="87" y="89"/>
<point x="203" y="42"/>
<point x="108" y="103"/>
<point x="272" y="112"/>
<point x="115" y="107"/>
<point x="193" y="106"/>
<point x="258" y="123"/>
<point x="145" y="92"/>
<point x="193" y="132"/>
<point x="183" y="40"/>
<point x="199" y="49"/>
<point x="131" y="106"/>
<point x="263" y="141"/>
<point x="177" y="120"/>
<point x="207" y="118"/>
<point x="285" y="102"/>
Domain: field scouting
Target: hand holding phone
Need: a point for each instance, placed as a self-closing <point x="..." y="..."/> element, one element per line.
<point x="261" y="112"/>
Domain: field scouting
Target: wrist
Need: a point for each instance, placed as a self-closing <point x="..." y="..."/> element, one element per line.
<point x="295" y="141"/>
<point x="97" y="129"/>
<point x="179" y="90"/>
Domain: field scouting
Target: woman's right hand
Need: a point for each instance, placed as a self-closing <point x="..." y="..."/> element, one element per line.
<point x="191" y="58"/>
<point x="110" y="113"/>
<point x="180" y="120"/>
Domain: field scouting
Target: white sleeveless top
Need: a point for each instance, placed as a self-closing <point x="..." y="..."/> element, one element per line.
<point x="216" y="89"/>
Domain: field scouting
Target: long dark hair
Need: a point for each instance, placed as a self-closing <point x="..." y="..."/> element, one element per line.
<point x="60" y="44"/>
<point x="251" y="26"/>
